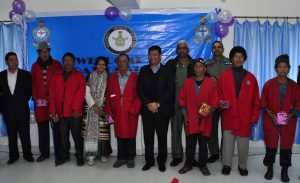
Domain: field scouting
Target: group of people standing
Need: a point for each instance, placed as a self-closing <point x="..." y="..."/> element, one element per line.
<point x="191" y="92"/>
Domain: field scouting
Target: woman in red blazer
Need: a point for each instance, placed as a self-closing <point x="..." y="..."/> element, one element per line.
<point x="280" y="95"/>
<point x="195" y="92"/>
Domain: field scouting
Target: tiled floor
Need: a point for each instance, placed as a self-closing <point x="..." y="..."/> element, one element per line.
<point x="24" y="172"/>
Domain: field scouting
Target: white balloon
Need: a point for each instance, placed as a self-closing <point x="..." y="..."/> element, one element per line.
<point x="212" y="17"/>
<point x="17" y="19"/>
<point x="125" y="14"/>
<point x="29" y="15"/>
<point x="225" y="16"/>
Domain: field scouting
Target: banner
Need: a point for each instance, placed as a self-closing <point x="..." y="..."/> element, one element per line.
<point x="90" y="36"/>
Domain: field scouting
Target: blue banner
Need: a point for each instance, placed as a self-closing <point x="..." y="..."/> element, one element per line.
<point x="90" y="36"/>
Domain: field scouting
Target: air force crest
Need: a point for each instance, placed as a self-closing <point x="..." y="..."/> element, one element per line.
<point x="119" y="39"/>
<point x="202" y="32"/>
<point x="40" y="33"/>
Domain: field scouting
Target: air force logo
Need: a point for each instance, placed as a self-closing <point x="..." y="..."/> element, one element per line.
<point x="40" y="33"/>
<point x="119" y="39"/>
<point x="202" y="32"/>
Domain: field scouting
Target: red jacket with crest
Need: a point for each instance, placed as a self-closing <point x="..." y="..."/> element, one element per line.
<point x="270" y="99"/>
<point x="245" y="108"/>
<point x="68" y="96"/>
<point x="119" y="106"/>
<point x="189" y="99"/>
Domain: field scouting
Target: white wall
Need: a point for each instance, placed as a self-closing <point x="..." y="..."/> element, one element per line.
<point x="237" y="7"/>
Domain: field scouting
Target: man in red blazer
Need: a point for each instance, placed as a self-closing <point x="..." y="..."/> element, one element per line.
<point x="42" y="72"/>
<point x="67" y="92"/>
<point x="123" y="104"/>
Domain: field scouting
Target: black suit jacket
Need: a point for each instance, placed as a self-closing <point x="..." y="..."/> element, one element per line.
<point x="15" y="106"/>
<point x="165" y="90"/>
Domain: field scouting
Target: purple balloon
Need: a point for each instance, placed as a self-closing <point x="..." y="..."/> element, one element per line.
<point x="111" y="13"/>
<point x="11" y="14"/>
<point x="221" y="30"/>
<point x="230" y="23"/>
<point x="19" y="6"/>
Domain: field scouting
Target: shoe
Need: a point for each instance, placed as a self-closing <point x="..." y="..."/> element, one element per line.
<point x="205" y="171"/>
<point x="130" y="164"/>
<point x="61" y="161"/>
<point x="104" y="159"/>
<point x="91" y="160"/>
<point x="185" y="169"/>
<point x="269" y="173"/>
<point x="195" y="163"/>
<point x="226" y="170"/>
<point x="147" y="166"/>
<point x="41" y="158"/>
<point x="11" y="161"/>
<point x="284" y="174"/>
<point x="213" y="158"/>
<point x="80" y="161"/>
<point x="119" y="163"/>
<point x="243" y="172"/>
<point x="29" y="159"/>
<point x="162" y="168"/>
<point x="175" y="162"/>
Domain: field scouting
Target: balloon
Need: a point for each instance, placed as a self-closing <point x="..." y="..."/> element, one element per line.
<point x="18" y="6"/>
<point x="221" y="30"/>
<point x="125" y="14"/>
<point x="17" y="19"/>
<point x="225" y="16"/>
<point x="11" y="14"/>
<point x="212" y="17"/>
<point x="230" y="23"/>
<point x="29" y="15"/>
<point x="111" y="13"/>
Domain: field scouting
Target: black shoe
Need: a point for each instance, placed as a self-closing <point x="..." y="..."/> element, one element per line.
<point x="41" y="158"/>
<point x="61" y="161"/>
<point x="269" y="173"/>
<point x="119" y="163"/>
<point x="213" y="158"/>
<point x="175" y="162"/>
<point x="195" y="163"/>
<point x="147" y="166"/>
<point x="185" y="169"/>
<point x="29" y="159"/>
<point x="162" y="168"/>
<point x="243" y="172"/>
<point x="12" y="160"/>
<point x="284" y="175"/>
<point x="205" y="171"/>
<point x="80" y="162"/>
<point x="226" y="170"/>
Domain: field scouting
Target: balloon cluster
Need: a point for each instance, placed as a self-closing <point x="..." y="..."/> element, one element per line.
<point x="19" y="12"/>
<point x="111" y="13"/>
<point x="223" y="19"/>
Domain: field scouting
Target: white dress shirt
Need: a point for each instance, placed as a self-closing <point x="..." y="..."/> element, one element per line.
<point x="11" y="80"/>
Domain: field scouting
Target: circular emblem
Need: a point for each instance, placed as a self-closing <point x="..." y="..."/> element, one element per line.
<point x="202" y="33"/>
<point x="119" y="39"/>
<point x="41" y="34"/>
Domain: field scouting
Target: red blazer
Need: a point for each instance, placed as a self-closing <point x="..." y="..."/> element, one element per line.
<point x="66" y="97"/>
<point x="41" y="91"/>
<point x="188" y="98"/>
<point x="270" y="99"/>
<point x="119" y="106"/>
<point x="244" y="109"/>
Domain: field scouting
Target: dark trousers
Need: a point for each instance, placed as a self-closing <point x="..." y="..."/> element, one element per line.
<point x="44" y="138"/>
<point x="213" y="141"/>
<point x="14" y="127"/>
<point x="74" y="125"/>
<point x="285" y="157"/>
<point x="126" y="148"/>
<point x="153" y="122"/>
<point x="191" y="143"/>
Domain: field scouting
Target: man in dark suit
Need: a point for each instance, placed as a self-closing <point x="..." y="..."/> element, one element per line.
<point x="15" y="92"/>
<point x="155" y="89"/>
